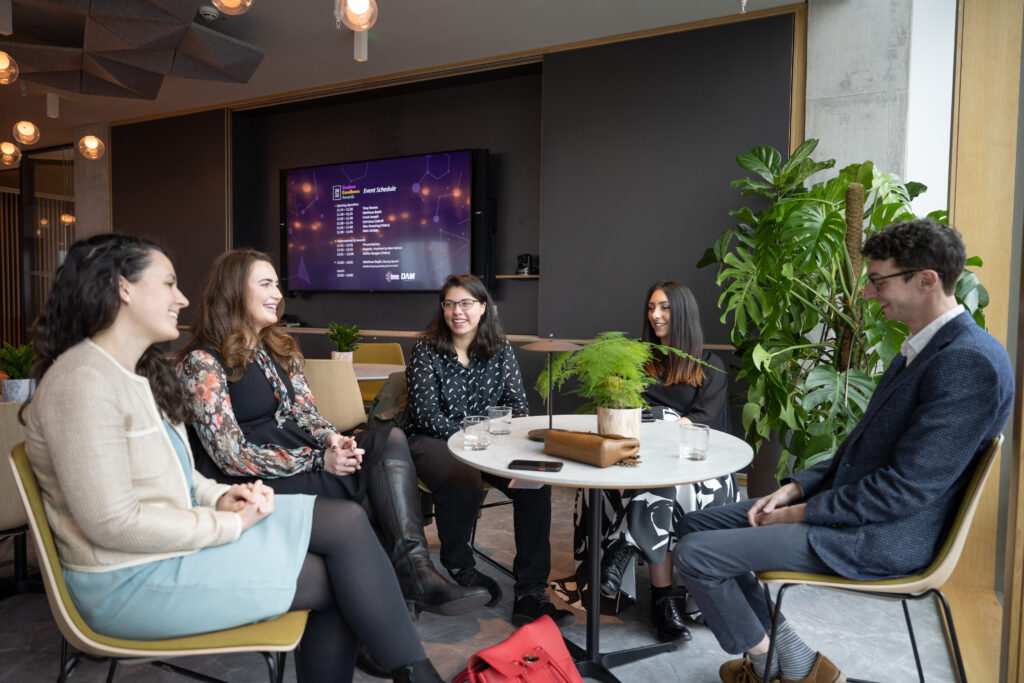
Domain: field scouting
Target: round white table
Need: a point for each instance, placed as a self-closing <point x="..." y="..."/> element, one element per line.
<point x="660" y="465"/>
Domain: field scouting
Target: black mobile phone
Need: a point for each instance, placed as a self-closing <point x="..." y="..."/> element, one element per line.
<point x="537" y="465"/>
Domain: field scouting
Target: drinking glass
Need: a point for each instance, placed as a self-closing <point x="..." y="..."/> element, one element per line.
<point x="475" y="433"/>
<point x="693" y="441"/>
<point x="501" y="419"/>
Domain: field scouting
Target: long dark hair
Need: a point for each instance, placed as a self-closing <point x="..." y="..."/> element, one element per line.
<point x="222" y="321"/>
<point x="684" y="334"/>
<point x="84" y="300"/>
<point x="490" y="338"/>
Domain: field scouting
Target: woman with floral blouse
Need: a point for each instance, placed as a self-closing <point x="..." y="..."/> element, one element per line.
<point x="254" y="415"/>
<point x="461" y="366"/>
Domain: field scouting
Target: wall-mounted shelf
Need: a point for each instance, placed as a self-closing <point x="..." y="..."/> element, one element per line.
<point x="517" y="277"/>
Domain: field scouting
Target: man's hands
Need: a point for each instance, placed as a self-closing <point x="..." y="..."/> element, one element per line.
<point x="252" y="502"/>
<point x="775" y="508"/>
<point x="341" y="457"/>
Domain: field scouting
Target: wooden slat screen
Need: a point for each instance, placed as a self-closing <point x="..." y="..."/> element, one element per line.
<point x="10" y="272"/>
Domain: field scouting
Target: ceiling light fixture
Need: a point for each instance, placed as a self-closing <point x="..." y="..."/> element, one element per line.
<point x="10" y="155"/>
<point x="233" y="7"/>
<point x="8" y="69"/>
<point x="91" y="147"/>
<point x="358" y="15"/>
<point x="26" y="132"/>
<point x="52" y="106"/>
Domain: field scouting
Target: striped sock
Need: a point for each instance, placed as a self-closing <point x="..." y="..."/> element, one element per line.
<point x="796" y="658"/>
<point x="758" y="664"/>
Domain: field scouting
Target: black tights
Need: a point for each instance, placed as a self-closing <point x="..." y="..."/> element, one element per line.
<point x="350" y="587"/>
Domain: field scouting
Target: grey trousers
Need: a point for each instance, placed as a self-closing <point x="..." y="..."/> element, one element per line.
<point x="716" y="557"/>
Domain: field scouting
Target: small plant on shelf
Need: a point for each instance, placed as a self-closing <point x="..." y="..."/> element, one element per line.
<point x="345" y="337"/>
<point x="16" y="361"/>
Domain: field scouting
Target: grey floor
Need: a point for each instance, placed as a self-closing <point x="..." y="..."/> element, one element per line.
<point x="866" y="638"/>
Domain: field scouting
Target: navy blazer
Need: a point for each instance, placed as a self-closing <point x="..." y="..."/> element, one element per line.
<point x="880" y="507"/>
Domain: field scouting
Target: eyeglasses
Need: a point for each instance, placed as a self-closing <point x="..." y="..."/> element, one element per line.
<point x="875" y="280"/>
<point x="464" y="304"/>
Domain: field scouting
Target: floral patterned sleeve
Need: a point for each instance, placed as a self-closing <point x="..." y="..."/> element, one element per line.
<point x="206" y="389"/>
<point x="305" y="412"/>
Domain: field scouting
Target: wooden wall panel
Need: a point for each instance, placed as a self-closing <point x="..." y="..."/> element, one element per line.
<point x="10" y="279"/>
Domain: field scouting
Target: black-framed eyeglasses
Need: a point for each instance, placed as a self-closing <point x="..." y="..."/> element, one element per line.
<point x="875" y="280"/>
<point x="464" y="304"/>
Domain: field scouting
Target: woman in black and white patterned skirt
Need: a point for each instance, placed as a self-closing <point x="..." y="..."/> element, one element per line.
<point x="643" y="522"/>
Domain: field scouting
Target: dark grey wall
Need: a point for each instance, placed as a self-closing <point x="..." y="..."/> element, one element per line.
<point x="499" y="111"/>
<point x="638" y="150"/>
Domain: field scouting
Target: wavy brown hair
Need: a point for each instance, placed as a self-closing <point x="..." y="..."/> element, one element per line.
<point x="490" y="337"/>
<point x="84" y="300"/>
<point x="684" y="334"/>
<point x="222" y="322"/>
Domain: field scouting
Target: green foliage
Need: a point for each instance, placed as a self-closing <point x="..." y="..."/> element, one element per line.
<point x="610" y="371"/>
<point x="812" y="348"/>
<point x="16" y="361"/>
<point x="345" y="337"/>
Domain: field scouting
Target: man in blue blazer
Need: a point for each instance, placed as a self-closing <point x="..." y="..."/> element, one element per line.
<point x="879" y="508"/>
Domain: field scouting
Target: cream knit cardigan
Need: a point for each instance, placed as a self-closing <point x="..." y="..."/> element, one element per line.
<point x="113" y="488"/>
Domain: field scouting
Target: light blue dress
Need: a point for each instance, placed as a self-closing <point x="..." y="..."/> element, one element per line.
<point x="215" y="588"/>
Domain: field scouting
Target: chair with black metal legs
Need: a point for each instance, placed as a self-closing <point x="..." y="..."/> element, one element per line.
<point x="927" y="583"/>
<point x="273" y="638"/>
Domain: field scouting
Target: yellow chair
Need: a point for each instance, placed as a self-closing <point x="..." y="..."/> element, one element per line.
<point x="274" y="639"/>
<point x="13" y="521"/>
<point x="336" y="390"/>
<point x="927" y="583"/>
<point x="376" y="353"/>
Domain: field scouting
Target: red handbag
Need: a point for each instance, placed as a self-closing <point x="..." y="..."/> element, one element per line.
<point x="535" y="653"/>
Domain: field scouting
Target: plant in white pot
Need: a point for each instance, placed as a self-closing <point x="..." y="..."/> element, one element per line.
<point x="16" y="362"/>
<point x="612" y="375"/>
<point x="346" y="338"/>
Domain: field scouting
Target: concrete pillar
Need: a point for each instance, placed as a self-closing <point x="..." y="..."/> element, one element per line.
<point x="92" y="185"/>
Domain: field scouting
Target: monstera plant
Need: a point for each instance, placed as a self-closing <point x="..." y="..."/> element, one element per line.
<point x="812" y="348"/>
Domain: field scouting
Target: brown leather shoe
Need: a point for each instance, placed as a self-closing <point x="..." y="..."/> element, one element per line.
<point x="823" y="671"/>
<point x="740" y="671"/>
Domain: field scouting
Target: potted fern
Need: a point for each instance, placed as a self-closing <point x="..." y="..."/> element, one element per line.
<point x="16" y="362"/>
<point x="346" y="338"/>
<point x="611" y="372"/>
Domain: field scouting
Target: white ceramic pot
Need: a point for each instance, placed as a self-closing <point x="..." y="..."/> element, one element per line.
<point x="621" y="421"/>
<point x="17" y="390"/>
<point x="341" y="355"/>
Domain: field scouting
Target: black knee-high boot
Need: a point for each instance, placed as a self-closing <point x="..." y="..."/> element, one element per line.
<point x="394" y="500"/>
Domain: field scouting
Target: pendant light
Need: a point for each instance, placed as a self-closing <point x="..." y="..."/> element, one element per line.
<point x="10" y="155"/>
<point x="8" y="69"/>
<point x="26" y="132"/>
<point x="91" y="147"/>
<point x="358" y="15"/>
<point x="233" y="7"/>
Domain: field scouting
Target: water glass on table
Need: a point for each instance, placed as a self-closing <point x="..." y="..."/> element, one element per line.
<point x="500" y="419"/>
<point x="476" y="434"/>
<point x="693" y="441"/>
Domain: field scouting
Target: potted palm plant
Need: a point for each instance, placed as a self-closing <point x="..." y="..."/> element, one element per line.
<point x="16" y="362"/>
<point x="611" y="373"/>
<point x="346" y="338"/>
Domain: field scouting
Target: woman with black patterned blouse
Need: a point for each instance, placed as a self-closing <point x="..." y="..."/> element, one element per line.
<point x="461" y="366"/>
<point x="254" y="416"/>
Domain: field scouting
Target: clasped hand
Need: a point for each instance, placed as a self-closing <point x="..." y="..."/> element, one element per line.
<point x="341" y="457"/>
<point x="252" y="502"/>
<point x="775" y="508"/>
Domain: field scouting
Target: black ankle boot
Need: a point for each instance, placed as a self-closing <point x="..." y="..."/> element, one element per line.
<point x="394" y="499"/>
<point x="417" y="672"/>
<point x="614" y="562"/>
<point x="667" y="619"/>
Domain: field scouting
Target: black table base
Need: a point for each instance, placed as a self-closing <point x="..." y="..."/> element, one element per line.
<point x="591" y="662"/>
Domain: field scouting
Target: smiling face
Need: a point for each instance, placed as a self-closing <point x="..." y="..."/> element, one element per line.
<point x="152" y="303"/>
<point x="262" y="295"/>
<point x="659" y="313"/>
<point x="463" y="322"/>
<point x="900" y="299"/>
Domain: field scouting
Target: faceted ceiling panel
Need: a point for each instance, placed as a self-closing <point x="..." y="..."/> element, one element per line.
<point x="125" y="48"/>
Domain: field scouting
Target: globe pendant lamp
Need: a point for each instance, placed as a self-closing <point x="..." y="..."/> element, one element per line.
<point x="358" y="15"/>
<point x="26" y="132"/>
<point x="10" y="155"/>
<point x="91" y="147"/>
<point x="8" y="69"/>
<point x="233" y="7"/>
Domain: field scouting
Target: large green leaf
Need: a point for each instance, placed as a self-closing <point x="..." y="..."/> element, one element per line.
<point x="814" y="233"/>
<point x="763" y="161"/>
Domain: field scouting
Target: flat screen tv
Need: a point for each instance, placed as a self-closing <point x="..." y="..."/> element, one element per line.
<point x="399" y="224"/>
